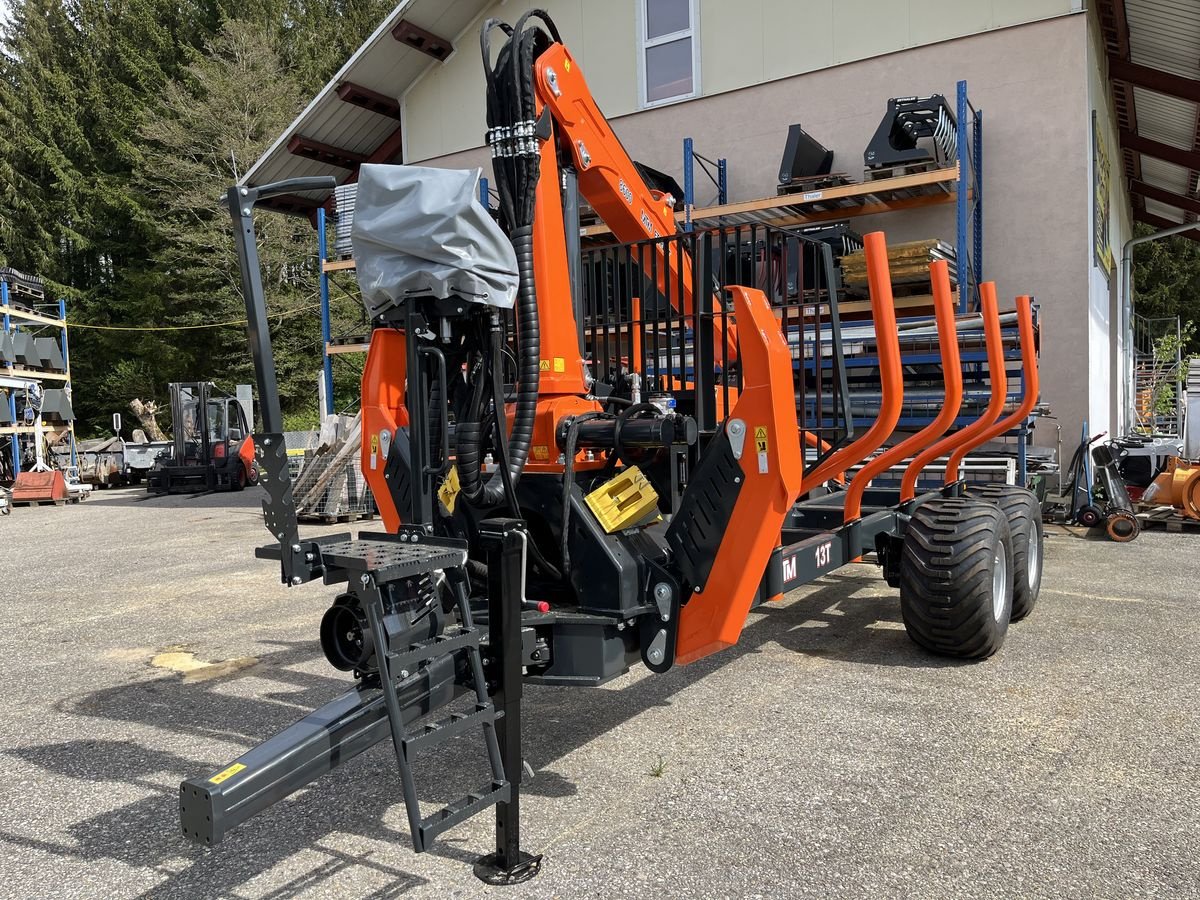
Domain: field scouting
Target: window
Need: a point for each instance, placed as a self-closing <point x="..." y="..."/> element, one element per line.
<point x="668" y="64"/>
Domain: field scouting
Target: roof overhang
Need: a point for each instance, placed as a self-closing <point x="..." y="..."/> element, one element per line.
<point x="356" y="117"/>
<point x="1154" y="69"/>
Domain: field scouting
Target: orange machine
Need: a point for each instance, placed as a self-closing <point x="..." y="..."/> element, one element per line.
<point x="547" y="524"/>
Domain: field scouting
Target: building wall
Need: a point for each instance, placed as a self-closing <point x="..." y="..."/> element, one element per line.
<point x="1110" y="370"/>
<point x="742" y="43"/>
<point x="1037" y="187"/>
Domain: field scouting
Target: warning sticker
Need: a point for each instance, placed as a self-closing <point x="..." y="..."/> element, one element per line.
<point x="760" y="446"/>
<point x="541" y="452"/>
<point x="560" y="364"/>
<point x="227" y="773"/>
<point x="544" y="365"/>
<point x="374" y="450"/>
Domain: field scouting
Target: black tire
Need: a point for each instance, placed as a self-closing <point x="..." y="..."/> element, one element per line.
<point x="238" y="478"/>
<point x="1024" y="514"/>
<point x="1090" y="516"/>
<point x="952" y="599"/>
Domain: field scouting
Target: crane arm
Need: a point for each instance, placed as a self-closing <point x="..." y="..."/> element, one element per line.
<point x="610" y="181"/>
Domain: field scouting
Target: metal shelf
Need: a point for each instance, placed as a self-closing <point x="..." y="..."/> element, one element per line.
<point x="10" y="317"/>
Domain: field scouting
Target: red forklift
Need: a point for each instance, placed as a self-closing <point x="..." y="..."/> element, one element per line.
<point x="211" y="447"/>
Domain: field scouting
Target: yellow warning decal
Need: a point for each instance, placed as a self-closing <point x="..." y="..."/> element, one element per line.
<point x="374" y="443"/>
<point x="760" y="438"/>
<point x="541" y="452"/>
<point x="448" y="492"/>
<point x="227" y="773"/>
<point x="544" y="365"/>
<point x="560" y="364"/>
<point x="567" y="64"/>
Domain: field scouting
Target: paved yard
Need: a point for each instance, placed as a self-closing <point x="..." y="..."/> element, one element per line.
<point x="824" y="756"/>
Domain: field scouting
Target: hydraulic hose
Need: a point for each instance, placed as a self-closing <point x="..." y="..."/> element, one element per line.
<point x="491" y="492"/>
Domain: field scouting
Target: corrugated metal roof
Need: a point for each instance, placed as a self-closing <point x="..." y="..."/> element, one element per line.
<point x="1165" y="35"/>
<point x="383" y="65"/>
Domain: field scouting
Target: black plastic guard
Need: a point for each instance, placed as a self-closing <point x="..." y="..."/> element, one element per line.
<point x="699" y="526"/>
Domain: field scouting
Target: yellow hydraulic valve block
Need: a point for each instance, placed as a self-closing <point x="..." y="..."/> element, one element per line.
<point x="624" y="501"/>
<point x="1179" y="486"/>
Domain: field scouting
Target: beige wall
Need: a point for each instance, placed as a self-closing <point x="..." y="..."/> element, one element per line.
<point x="1037" y="225"/>
<point x="742" y="43"/>
<point x="752" y="41"/>
<point x="444" y="110"/>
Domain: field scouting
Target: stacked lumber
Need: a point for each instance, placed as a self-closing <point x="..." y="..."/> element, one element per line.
<point x="908" y="263"/>
<point x="330" y="486"/>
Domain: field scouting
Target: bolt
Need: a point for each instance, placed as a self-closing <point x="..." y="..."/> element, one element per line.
<point x="267" y="442"/>
<point x="404" y="537"/>
<point x="696" y="590"/>
<point x="296" y="579"/>
<point x="308" y="557"/>
<point x="736" y="427"/>
<point x="620" y="626"/>
<point x="656" y="655"/>
<point x="585" y="158"/>
<point x="404" y="673"/>
<point x="737" y="479"/>
<point x="245" y="210"/>
<point x="366" y="579"/>
<point x="295" y="548"/>
<point x="243" y="192"/>
<point x="552" y="80"/>
<point x="666" y="617"/>
<point x="662" y="591"/>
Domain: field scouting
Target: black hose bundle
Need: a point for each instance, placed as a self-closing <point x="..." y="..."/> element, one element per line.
<point x="516" y="168"/>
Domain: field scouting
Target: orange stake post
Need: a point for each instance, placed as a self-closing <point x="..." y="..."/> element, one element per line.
<point x="995" y="360"/>
<point x="891" y="375"/>
<point x="1029" y="367"/>
<point x="943" y="308"/>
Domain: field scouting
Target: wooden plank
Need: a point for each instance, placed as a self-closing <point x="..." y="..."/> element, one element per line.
<point x="869" y="192"/>
<point x="28" y="316"/>
<point x="332" y="349"/>
<point x="338" y="265"/>
<point x="35" y="374"/>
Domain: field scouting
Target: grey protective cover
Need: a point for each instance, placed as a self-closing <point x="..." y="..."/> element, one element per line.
<point x="420" y="231"/>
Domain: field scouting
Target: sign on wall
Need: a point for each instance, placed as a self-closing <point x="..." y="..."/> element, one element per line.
<point x="1101" y="199"/>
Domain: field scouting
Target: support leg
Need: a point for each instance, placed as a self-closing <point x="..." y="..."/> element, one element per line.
<point x="506" y="540"/>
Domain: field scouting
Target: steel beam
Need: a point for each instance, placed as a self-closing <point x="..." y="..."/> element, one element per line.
<point x="368" y="99"/>
<point x="1189" y="159"/>
<point x="1154" y="79"/>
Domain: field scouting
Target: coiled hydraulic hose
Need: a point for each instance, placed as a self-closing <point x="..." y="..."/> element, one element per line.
<point x="517" y="168"/>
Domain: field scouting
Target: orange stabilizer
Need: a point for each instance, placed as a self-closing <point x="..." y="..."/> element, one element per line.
<point x="943" y="310"/>
<point x="383" y="385"/>
<point x="995" y="358"/>
<point x="771" y="470"/>
<point x="1029" y="368"/>
<point x="891" y="375"/>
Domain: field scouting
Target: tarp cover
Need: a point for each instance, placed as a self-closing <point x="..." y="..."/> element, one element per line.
<point x="420" y="231"/>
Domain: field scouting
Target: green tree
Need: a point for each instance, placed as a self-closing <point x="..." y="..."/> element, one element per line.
<point x="213" y="121"/>
<point x="1166" y="282"/>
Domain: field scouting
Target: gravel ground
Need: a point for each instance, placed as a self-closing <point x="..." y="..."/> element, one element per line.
<point x="824" y="756"/>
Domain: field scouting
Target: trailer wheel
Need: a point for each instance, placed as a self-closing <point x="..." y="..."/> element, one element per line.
<point x="1024" y="514"/>
<point x="955" y="588"/>
<point x="1090" y="516"/>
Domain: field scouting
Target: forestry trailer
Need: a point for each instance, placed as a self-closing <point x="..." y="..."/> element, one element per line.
<point x="587" y="459"/>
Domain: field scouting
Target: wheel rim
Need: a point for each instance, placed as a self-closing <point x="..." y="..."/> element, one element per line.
<point x="1032" y="556"/>
<point x="999" y="583"/>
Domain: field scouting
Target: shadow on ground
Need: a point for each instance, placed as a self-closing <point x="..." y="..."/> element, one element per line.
<point x="828" y="623"/>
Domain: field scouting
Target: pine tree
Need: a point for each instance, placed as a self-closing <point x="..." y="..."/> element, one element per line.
<point x="214" y="120"/>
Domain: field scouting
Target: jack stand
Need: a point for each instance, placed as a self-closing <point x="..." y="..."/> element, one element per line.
<point x="506" y="541"/>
